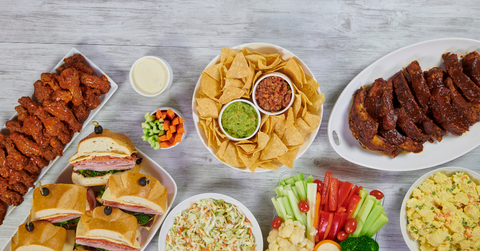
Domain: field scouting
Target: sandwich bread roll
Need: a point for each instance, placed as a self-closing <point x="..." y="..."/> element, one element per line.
<point x="44" y="237"/>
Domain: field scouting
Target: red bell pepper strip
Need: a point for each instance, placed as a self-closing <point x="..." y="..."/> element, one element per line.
<point x="341" y="209"/>
<point x="340" y="184"/>
<point x="322" y="226"/>
<point x="326" y="186"/>
<point x="337" y="218"/>
<point x="352" y="192"/>
<point x="329" y="226"/>
<point x="343" y="192"/>
<point x="343" y="221"/>
<point x="353" y="204"/>
<point x="333" y="198"/>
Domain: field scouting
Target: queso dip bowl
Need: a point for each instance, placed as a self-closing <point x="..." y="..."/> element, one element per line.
<point x="151" y="76"/>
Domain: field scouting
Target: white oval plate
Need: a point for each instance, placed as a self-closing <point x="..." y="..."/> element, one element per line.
<point x="411" y="243"/>
<point x="187" y="202"/>
<point x="428" y="54"/>
<point x="148" y="166"/>
<point x="267" y="49"/>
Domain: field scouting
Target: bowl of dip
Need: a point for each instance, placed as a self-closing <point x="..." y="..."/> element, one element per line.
<point x="151" y="76"/>
<point x="239" y="119"/>
<point x="273" y="93"/>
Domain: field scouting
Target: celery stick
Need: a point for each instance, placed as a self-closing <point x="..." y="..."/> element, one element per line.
<point x="379" y="223"/>
<point x="299" y="216"/>
<point x="290" y="181"/>
<point x="305" y="184"/>
<point x="289" y="187"/>
<point x="377" y="202"/>
<point x="376" y="211"/>
<point x="277" y="208"/>
<point x="366" y="208"/>
<point x="311" y="199"/>
<point x="363" y="194"/>
<point x="286" y="205"/>
<point x="299" y="177"/>
<point x="302" y="195"/>
<point x="310" y="179"/>
<point x="357" y="231"/>
<point x="282" y="208"/>
<point x="280" y="191"/>
<point x="282" y="183"/>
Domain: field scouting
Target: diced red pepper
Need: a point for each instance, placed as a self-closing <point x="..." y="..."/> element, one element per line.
<point x="333" y="197"/>
<point x="326" y="186"/>
<point x="343" y="192"/>
<point x="337" y="219"/>
<point x="353" y="204"/>
<point x="322" y="226"/>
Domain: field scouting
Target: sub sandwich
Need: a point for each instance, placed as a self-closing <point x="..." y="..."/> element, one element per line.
<point x="138" y="194"/>
<point x="42" y="236"/>
<point x="108" y="228"/>
<point x="61" y="204"/>
<point x="100" y="155"/>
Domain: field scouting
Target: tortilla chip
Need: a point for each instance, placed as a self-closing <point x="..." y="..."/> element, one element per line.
<point x="280" y="125"/>
<point x="249" y="80"/>
<point x="302" y="127"/>
<point x="269" y="166"/>
<point x="248" y="148"/>
<point x="290" y="119"/>
<point x="239" y="67"/>
<point x="248" y="159"/>
<point x="207" y="108"/>
<point x="226" y="53"/>
<point x="262" y="141"/>
<point x="256" y="60"/>
<point x="221" y="150"/>
<point x="271" y="61"/>
<point x="288" y="158"/>
<point x="292" y="137"/>
<point x="297" y="104"/>
<point x="214" y="71"/>
<point x="231" y="156"/>
<point x="312" y="120"/>
<point x="209" y="86"/>
<point x="232" y="82"/>
<point x="274" y="148"/>
<point x="231" y="93"/>
<point x="295" y="72"/>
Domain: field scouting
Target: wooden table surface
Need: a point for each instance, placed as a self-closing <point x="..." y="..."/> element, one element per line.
<point x="336" y="39"/>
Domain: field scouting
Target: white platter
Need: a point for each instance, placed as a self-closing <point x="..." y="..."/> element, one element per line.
<point x="104" y="98"/>
<point x="266" y="49"/>
<point x="429" y="55"/>
<point x="411" y="243"/>
<point x="148" y="166"/>
<point x="187" y="202"/>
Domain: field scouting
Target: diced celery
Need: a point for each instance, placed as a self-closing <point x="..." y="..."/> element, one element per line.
<point x="363" y="194"/>
<point x="161" y="132"/>
<point x="161" y="127"/>
<point x="301" y="191"/>
<point x="146" y="125"/>
<point x="157" y="146"/>
<point x="147" y="117"/>
<point x="155" y="130"/>
<point x="377" y="225"/>
<point x="144" y="138"/>
<point x="281" y="182"/>
<point x="376" y="211"/>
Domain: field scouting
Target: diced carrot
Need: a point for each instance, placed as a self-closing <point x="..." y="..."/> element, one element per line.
<point x="171" y="141"/>
<point x="158" y="114"/>
<point x="165" y="144"/>
<point x="180" y="120"/>
<point x="166" y="124"/>
<point x="178" y="137"/>
<point x="173" y="128"/>
<point x="163" y="137"/>
<point x="180" y="128"/>
<point x="169" y="135"/>
<point x="175" y="121"/>
<point x="164" y="114"/>
<point x="170" y="114"/>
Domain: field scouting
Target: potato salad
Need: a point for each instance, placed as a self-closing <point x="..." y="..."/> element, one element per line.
<point x="443" y="213"/>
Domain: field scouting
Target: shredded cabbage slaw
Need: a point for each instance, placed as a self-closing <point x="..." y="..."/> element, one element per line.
<point x="210" y="224"/>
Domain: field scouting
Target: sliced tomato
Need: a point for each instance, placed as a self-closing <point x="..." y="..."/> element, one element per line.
<point x="333" y="197"/>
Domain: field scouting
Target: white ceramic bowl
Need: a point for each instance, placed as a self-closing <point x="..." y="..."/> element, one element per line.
<point x="167" y="224"/>
<point x="181" y="116"/>
<point x="411" y="243"/>
<point x="169" y="78"/>
<point x="274" y="74"/>
<point x="234" y="101"/>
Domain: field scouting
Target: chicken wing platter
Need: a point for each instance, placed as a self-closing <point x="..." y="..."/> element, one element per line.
<point x="63" y="103"/>
<point x="425" y="92"/>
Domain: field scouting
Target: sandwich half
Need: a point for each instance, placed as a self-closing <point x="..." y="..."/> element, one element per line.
<point x="43" y="237"/>
<point x="114" y="230"/>
<point x="145" y="199"/>
<point x="61" y="204"/>
<point x="100" y="155"/>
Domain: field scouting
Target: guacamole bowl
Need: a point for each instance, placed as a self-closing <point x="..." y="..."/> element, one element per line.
<point x="239" y="119"/>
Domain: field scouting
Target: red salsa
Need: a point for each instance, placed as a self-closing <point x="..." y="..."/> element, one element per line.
<point x="273" y="94"/>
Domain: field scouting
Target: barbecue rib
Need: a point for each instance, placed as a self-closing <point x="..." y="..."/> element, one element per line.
<point x="471" y="66"/>
<point x="419" y="86"/>
<point x="385" y="112"/>
<point x="408" y="127"/>
<point x="461" y="105"/>
<point x="466" y="85"/>
<point x="434" y="77"/>
<point x="444" y="113"/>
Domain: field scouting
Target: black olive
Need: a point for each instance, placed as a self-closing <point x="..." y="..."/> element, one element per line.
<point x="44" y="191"/>
<point x="139" y="161"/>
<point x="29" y="226"/>
<point x="98" y="129"/>
<point x="107" y="210"/>
<point x="143" y="181"/>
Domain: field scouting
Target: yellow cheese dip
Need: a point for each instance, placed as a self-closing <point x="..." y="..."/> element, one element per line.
<point x="149" y="75"/>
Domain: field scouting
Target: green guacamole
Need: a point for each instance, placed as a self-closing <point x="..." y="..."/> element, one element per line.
<point x="239" y="120"/>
